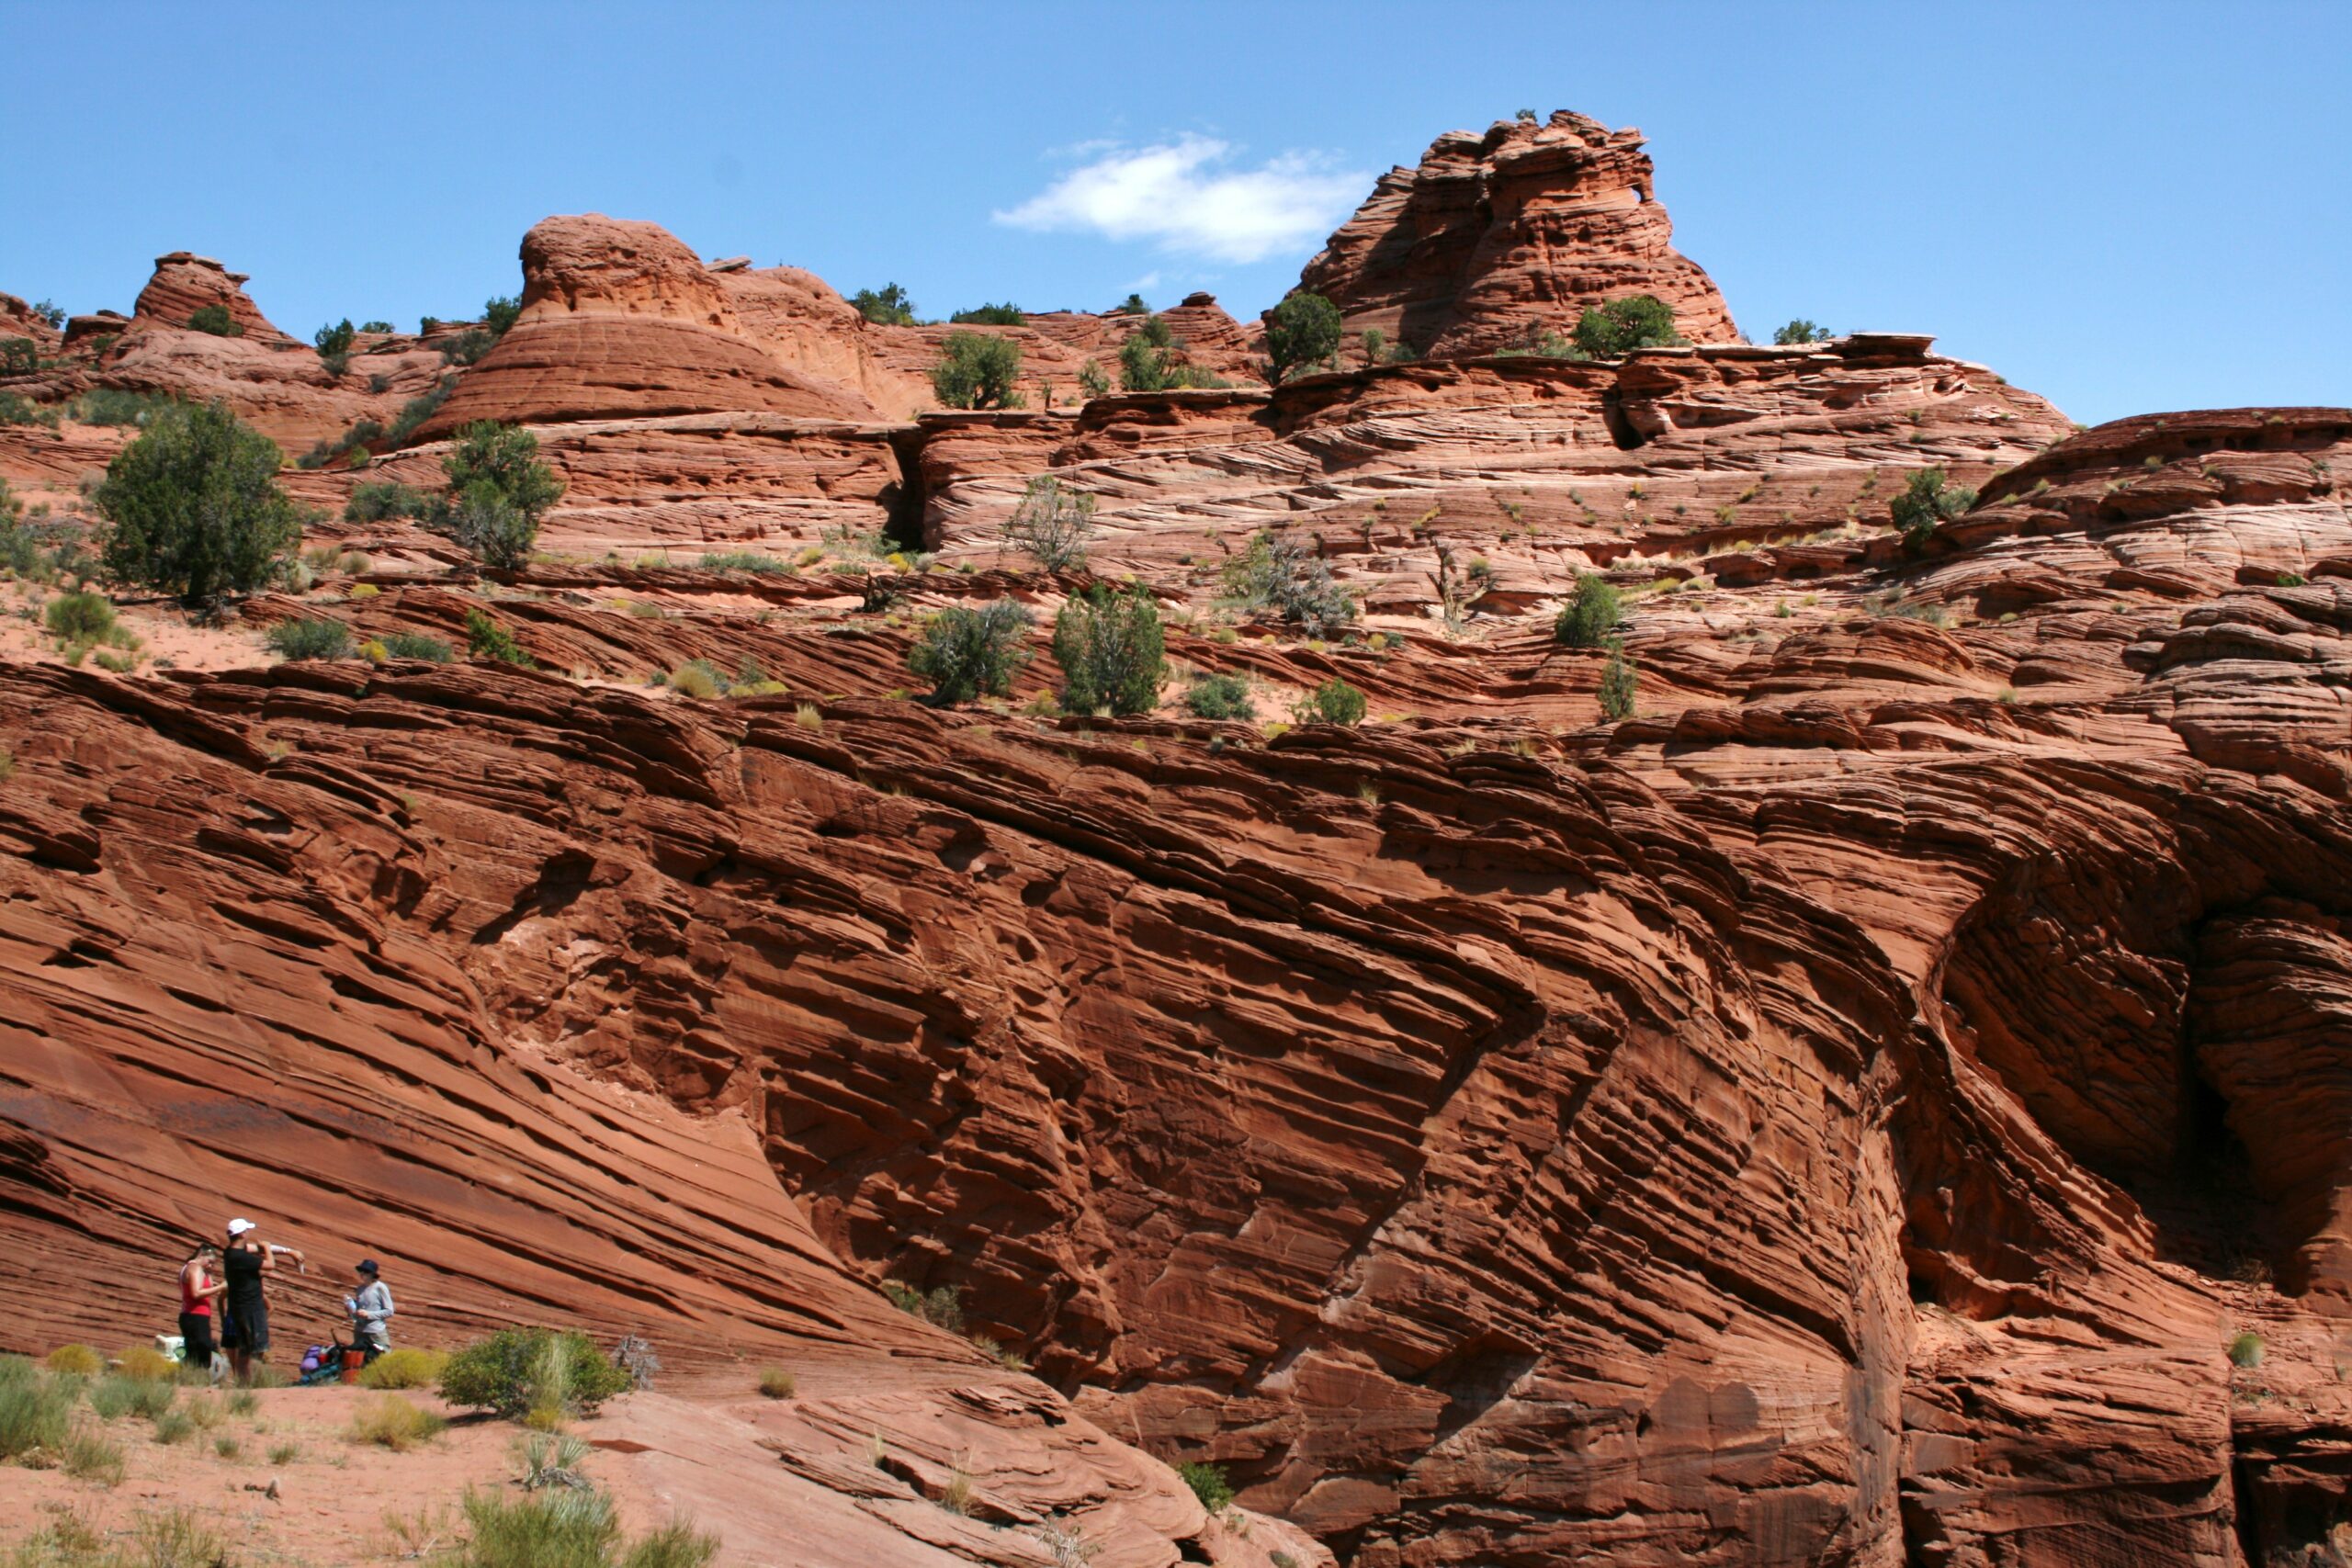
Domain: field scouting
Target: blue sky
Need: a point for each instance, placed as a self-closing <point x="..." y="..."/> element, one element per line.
<point x="2126" y="207"/>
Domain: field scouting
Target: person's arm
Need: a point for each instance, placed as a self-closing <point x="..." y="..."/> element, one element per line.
<point x="213" y="1289"/>
<point x="374" y="1304"/>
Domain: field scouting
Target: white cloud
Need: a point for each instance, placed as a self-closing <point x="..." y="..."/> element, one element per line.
<point x="1179" y="195"/>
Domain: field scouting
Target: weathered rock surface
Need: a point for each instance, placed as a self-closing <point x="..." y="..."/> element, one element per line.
<point x="184" y="284"/>
<point x="1493" y="240"/>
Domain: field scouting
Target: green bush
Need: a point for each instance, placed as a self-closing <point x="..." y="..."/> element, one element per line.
<point x="1333" y="702"/>
<point x="498" y="490"/>
<point x="19" y="356"/>
<point x="33" y="1413"/>
<point x="1801" y="331"/>
<point x="485" y="638"/>
<point x="467" y="346"/>
<point x="1220" y="696"/>
<point x="415" y="645"/>
<point x="115" y="406"/>
<point x="1092" y="379"/>
<point x="1005" y="315"/>
<point x="508" y="1373"/>
<point x="1147" y="359"/>
<point x="49" y="310"/>
<point x="18" y="409"/>
<point x="195" y="506"/>
<point x="941" y="1306"/>
<point x="699" y="679"/>
<point x="499" y="311"/>
<point x="1617" y="329"/>
<point x="1111" y="648"/>
<point x="1618" y="682"/>
<point x="2246" y="1350"/>
<point x="1208" y="1484"/>
<point x="334" y="344"/>
<point x="1052" y="524"/>
<point x="91" y="1455"/>
<point x="309" y="639"/>
<point x="1587" y="620"/>
<point x="564" y="1527"/>
<point x="1926" y="500"/>
<point x="972" y="653"/>
<point x="385" y="498"/>
<point x="888" y="306"/>
<point x="1302" y="333"/>
<point x="216" y="320"/>
<point x="752" y="561"/>
<point x="978" y="371"/>
<point x="1281" y="576"/>
<point x="376" y="327"/>
<point x="79" y="617"/>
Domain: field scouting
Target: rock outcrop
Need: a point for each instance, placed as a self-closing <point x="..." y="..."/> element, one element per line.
<point x="1493" y="240"/>
<point x="184" y="284"/>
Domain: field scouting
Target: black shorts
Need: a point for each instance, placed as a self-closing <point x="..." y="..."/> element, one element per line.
<point x="196" y="1334"/>
<point x="247" y="1329"/>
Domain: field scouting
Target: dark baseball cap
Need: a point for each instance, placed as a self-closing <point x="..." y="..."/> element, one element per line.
<point x="367" y="1266"/>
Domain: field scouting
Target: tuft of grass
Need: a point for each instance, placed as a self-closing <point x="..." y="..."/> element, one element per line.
<point x="777" y="1383"/>
<point x="956" y="1495"/>
<point x="177" y="1538"/>
<point x="396" y="1424"/>
<point x="227" y="1446"/>
<point x="284" y="1453"/>
<point x="414" y="645"/>
<point x="33" y="1413"/>
<point x="308" y="639"/>
<point x="206" y="1411"/>
<point x="244" y="1403"/>
<point x="571" y="1528"/>
<point x="89" y="1455"/>
<point x="807" y="717"/>
<point x="2246" y="1350"/>
<point x="173" y="1426"/>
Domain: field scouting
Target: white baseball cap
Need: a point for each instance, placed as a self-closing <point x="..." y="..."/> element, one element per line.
<point x="239" y="1228"/>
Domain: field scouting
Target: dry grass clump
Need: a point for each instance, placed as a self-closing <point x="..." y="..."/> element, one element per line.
<point x="777" y="1383"/>
<point x="404" y="1368"/>
<point x="396" y="1424"/>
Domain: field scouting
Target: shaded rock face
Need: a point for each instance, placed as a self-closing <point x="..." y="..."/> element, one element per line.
<point x="1492" y="239"/>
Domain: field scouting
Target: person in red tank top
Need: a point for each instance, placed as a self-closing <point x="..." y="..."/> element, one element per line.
<point x="200" y="1287"/>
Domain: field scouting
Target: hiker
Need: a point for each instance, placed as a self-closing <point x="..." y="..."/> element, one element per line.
<point x="371" y="1312"/>
<point x="201" y="1287"/>
<point x="242" y="1263"/>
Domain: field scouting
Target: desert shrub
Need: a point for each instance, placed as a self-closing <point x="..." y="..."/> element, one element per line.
<point x="195" y="507"/>
<point x="1005" y="315"/>
<point x="1333" y="702"/>
<point x="385" y="498"/>
<point x="415" y="645"/>
<point x="49" y="310"/>
<point x="1617" y="329"/>
<point x="977" y="370"/>
<point x="498" y="490"/>
<point x="395" y="1423"/>
<point x="146" y="1364"/>
<point x="404" y="1368"/>
<point x="89" y="1455"/>
<point x="498" y="313"/>
<point x="1220" y="696"/>
<point x="1208" y="1484"/>
<point x="417" y="410"/>
<point x="34" y="1413"/>
<point x="216" y="320"/>
<point x="1926" y="500"/>
<point x="1092" y="379"/>
<point x="697" y="678"/>
<point x="76" y="1361"/>
<point x="1587" y="619"/>
<point x="18" y="409"/>
<point x="777" y="1383"/>
<point x="1285" y="578"/>
<point x="1302" y="333"/>
<point x="744" y="561"/>
<point x="1618" y="682"/>
<point x="115" y="406"/>
<point x="972" y="653"/>
<point x="204" y="1412"/>
<point x="376" y="327"/>
<point x="1800" y="331"/>
<point x="941" y="1306"/>
<point x="79" y="617"/>
<point x="888" y="306"/>
<point x="334" y="344"/>
<point x="1052" y="524"/>
<point x="2246" y="1350"/>
<point x="485" y="638"/>
<point x="111" y="1397"/>
<point x="509" y="1372"/>
<point x="309" y="639"/>
<point x="1111" y="648"/>
<point x="491" y="529"/>
<point x="18" y="356"/>
<point x="1147" y="359"/>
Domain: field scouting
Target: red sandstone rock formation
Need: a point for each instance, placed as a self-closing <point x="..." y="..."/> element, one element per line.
<point x="184" y="284"/>
<point x="1494" y="239"/>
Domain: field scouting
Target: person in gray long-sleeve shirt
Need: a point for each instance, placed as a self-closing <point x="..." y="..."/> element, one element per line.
<point x="371" y="1312"/>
